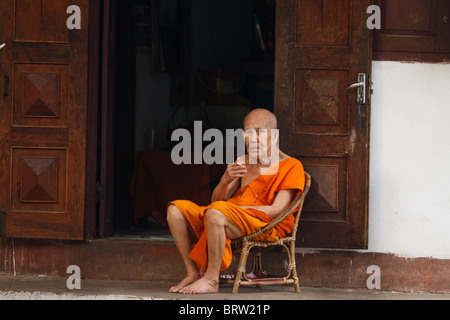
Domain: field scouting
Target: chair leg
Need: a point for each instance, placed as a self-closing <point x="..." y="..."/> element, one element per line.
<point x="294" y="269"/>
<point x="241" y="267"/>
<point x="257" y="265"/>
<point x="296" y="281"/>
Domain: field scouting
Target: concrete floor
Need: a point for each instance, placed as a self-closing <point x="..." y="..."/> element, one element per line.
<point x="45" y="288"/>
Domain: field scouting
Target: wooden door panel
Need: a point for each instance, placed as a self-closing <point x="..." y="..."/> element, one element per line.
<point x="41" y="21"/>
<point x="413" y="26"/>
<point x="40" y="95"/>
<point x="321" y="101"/>
<point x="324" y="23"/>
<point x="326" y="202"/>
<point x="39" y="180"/>
<point x="43" y="119"/>
<point x="321" y="47"/>
<point x="421" y="18"/>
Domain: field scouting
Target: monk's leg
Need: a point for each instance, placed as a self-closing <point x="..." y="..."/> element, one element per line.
<point x="179" y="227"/>
<point x="219" y="229"/>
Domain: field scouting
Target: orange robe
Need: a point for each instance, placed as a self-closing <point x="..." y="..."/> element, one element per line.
<point x="261" y="192"/>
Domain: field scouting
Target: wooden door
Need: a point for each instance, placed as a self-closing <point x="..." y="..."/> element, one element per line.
<point x="43" y="71"/>
<point x="322" y="46"/>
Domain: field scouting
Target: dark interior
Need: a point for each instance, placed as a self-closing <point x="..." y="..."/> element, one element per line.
<point x="180" y="61"/>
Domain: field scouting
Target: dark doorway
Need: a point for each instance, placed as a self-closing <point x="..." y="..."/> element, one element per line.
<point x="172" y="63"/>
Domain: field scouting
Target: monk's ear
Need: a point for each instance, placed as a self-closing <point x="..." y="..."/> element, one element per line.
<point x="275" y="134"/>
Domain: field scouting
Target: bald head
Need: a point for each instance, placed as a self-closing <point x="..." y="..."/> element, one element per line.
<point x="261" y="135"/>
<point x="263" y="117"/>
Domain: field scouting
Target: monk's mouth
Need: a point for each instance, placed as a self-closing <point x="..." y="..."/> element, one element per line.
<point x="255" y="148"/>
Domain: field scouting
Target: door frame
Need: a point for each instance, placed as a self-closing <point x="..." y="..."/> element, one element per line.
<point x="99" y="122"/>
<point x="101" y="191"/>
<point x="92" y="119"/>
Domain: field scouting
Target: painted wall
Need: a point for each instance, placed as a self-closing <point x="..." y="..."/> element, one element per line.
<point x="410" y="160"/>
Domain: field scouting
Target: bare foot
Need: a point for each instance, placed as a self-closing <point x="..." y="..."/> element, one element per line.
<point x="201" y="286"/>
<point x="184" y="283"/>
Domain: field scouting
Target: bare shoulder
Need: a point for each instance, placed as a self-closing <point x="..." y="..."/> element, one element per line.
<point x="284" y="156"/>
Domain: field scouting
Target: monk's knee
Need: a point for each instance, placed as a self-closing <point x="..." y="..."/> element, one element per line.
<point x="174" y="214"/>
<point x="214" y="217"/>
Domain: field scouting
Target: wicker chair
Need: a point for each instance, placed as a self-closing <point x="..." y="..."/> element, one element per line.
<point x="244" y="245"/>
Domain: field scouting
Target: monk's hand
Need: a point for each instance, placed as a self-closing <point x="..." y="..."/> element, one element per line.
<point x="234" y="171"/>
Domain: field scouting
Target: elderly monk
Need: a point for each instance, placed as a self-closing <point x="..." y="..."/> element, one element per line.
<point x="252" y="192"/>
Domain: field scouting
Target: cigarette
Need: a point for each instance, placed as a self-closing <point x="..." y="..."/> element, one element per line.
<point x="2" y="46"/>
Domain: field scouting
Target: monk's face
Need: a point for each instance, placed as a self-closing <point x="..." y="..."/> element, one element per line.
<point x="260" y="134"/>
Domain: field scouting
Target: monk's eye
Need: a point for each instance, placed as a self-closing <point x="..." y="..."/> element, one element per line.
<point x="262" y="131"/>
<point x="249" y="132"/>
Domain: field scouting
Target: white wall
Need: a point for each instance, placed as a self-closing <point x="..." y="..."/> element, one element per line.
<point x="410" y="160"/>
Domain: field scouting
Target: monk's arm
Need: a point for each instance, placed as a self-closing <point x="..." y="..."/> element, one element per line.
<point x="281" y="202"/>
<point x="224" y="190"/>
<point x="229" y="183"/>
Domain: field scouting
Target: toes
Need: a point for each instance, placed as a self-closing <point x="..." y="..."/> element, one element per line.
<point x="174" y="290"/>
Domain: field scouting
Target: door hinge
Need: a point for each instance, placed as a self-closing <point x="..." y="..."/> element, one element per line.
<point x="100" y="192"/>
<point x="369" y="96"/>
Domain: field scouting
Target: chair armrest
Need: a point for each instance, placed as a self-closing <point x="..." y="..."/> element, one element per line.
<point x="297" y="202"/>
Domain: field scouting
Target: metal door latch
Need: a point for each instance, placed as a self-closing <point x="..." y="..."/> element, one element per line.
<point x="360" y="95"/>
<point x="361" y="86"/>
